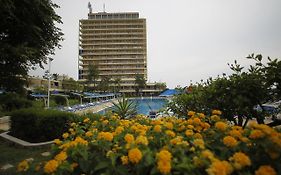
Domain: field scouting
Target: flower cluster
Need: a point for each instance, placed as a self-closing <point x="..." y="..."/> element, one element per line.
<point x="198" y="144"/>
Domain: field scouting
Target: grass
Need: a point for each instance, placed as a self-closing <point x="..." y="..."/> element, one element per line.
<point x="12" y="154"/>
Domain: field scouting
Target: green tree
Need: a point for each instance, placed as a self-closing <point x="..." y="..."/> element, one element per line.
<point x="93" y="74"/>
<point x="28" y="35"/>
<point x="104" y="83"/>
<point x="236" y="95"/>
<point x="140" y="83"/>
<point x="117" y="84"/>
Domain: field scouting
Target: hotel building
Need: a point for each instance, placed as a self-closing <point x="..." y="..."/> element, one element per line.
<point x="116" y="44"/>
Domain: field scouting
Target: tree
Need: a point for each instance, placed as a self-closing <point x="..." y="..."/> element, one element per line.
<point x="117" y="84"/>
<point x="104" y="84"/>
<point x="28" y="36"/>
<point x="93" y="74"/>
<point x="139" y="82"/>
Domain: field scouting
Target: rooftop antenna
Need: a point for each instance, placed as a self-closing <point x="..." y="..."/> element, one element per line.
<point x="90" y="7"/>
<point x="103" y="7"/>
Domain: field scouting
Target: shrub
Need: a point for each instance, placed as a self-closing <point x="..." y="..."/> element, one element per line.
<point x="12" y="101"/>
<point x="60" y="100"/>
<point x="36" y="125"/>
<point x="198" y="144"/>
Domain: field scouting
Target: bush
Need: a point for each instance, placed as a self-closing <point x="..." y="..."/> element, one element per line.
<point x="37" y="125"/>
<point x="196" y="145"/>
<point x="60" y="100"/>
<point x="12" y="101"/>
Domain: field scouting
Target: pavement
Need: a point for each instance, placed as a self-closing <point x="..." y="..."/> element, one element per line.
<point x="97" y="108"/>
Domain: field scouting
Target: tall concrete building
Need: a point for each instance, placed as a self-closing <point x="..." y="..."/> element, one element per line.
<point x="116" y="44"/>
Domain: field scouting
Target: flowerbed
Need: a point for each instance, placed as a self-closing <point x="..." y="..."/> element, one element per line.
<point x="197" y="145"/>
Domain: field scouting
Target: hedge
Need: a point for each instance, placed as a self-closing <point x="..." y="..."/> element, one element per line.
<point x="36" y="125"/>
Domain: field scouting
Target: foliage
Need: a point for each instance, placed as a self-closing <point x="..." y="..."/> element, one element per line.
<point x="104" y="84"/>
<point x="236" y="95"/>
<point x="117" y="85"/>
<point x="140" y="82"/>
<point x="27" y="37"/>
<point x="60" y="100"/>
<point x="36" y="125"/>
<point x="197" y="145"/>
<point x="12" y="101"/>
<point x="124" y="108"/>
<point x="93" y="74"/>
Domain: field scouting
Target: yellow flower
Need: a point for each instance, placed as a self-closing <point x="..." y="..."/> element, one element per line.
<point x="221" y="126"/>
<point x="197" y="136"/>
<point x="86" y="120"/>
<point x="164" y="155"/>
<point x="256" y="134"/>
<point x="199" y="143"/>
<point x="196" y="121"/>
<point x="215" y="118"/>
<point x="105" y="136"/>
<point x="89" y="134"/>
<point x="79" y="140"/>
<point x="169" y="125"/>
<point x="188" y="132"/>
<point x="230" y="141"/>
<point x="134" y="155"/>
<point x="157" y="128"/>
<point x="22" y="166"/>
<point x="142" y="140"/>
<point x="235" y="133"/>
<point x="240" y="160"/>
<point x="216" y="112"/>
<point x="164" y="167"/>
<point x="164" y="161"/>
<point x="65" y="135"/>
<point x="265" y="170"/>
<point x="208" y="154"/>
<point x="51" y="166"/>
<point x="129" y="138"/>
<point x="61" y="156"/>
<point x="124" y="160"/>
<point x="170" y="133"/>
<point x="191" y="113"/>
<point x="176" y="140"/>
<point x="105" y="122"/>
<point x="190" y="126"/>
<point x="119" y="130"/>
<point x="219" y="168"/>
<point x="57" y="141"/>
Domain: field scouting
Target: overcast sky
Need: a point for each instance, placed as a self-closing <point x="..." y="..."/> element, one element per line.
<point x="186" y="39"/>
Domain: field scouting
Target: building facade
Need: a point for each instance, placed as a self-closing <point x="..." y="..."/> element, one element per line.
<point x="116" y="44"/>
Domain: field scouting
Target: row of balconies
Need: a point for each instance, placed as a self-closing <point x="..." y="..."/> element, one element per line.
<point x="133" y="29"/>
<point x="113" y="25"/>
<point x="111" y="22"/>
<point x="89" y="34"/>
<point x="114" y="48"/>
<point x="109" y="32"/>
<point x="110" y="44"/>
<point x="115" y="63"/>
<point x="121" y="54"/>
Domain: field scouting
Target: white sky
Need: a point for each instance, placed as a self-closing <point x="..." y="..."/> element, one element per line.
<point x="186" y="39"/>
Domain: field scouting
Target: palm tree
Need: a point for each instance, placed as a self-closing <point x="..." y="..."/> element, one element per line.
<point x="125" y="108"/>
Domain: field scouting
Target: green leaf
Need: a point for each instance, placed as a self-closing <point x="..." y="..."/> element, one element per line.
<point x="101" y="165"/>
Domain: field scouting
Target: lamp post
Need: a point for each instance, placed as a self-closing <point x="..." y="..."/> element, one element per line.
<point x="49" y="82"/>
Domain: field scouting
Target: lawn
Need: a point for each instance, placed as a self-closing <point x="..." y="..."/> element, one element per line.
<point x="12" y="154"/>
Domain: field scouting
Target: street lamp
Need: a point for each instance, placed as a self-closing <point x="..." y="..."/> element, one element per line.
<point x="49" y="82"/>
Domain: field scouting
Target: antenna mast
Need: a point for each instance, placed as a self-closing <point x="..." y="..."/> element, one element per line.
<point x="90" y="7"/>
